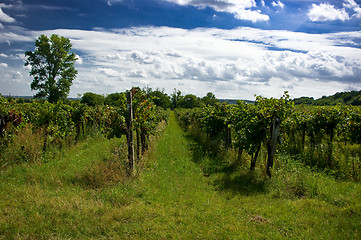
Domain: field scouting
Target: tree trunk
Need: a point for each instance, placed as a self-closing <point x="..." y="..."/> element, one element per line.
<point x="228" y="137"/>
<point x="272" y="144"/>
<point x="240" y="151"/>
<point x="138" y="144"/>
<point x="143" y="140"/>
<point x="254" y="157"/>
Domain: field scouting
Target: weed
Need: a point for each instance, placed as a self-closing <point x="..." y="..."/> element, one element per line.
<point x="26" y="146"/>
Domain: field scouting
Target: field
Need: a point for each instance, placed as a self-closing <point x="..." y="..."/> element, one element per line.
<point x="82" y="192"/>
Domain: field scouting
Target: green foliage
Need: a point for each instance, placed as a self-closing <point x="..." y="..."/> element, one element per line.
<point x="349" y="98"/>
<point x="63" y="123"/>
<point x="304" y="101"/>
<point x="26" y="146"/>
<point x="176" y="97"/>
<point x="92" y="99"/>
<point x="116" y="100"/>
<point x="160" y="99"/>
<point x="82" y="194"/>
<point x="188" y="101"/>
<point x="209" y="99"/>
<point x="313" y="135"/>
<point x="52" y="66"/>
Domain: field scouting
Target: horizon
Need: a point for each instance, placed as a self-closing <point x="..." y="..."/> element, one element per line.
<point x="234" y="49"/>
<point x="219" y="99"/>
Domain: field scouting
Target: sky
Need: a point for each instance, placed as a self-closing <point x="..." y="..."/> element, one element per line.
<point x="233" y="48"/>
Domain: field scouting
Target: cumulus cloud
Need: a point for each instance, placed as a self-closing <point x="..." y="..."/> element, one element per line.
<point x="243" y="10"/>
<point x="5" y="18"/>
<point x="231" y="63"/>
<point x="5" y="65"/>
<point x="326" y="12"/>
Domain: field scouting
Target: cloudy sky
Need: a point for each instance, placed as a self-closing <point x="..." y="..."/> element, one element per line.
<point x="233" y="48"/>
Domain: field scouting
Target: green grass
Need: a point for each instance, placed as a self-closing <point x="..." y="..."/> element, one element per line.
<point x="79" y="196"/>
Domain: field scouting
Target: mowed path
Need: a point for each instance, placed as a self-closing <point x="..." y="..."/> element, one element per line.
<point x="177" y="201"/>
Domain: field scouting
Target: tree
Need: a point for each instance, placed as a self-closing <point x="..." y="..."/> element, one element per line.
<point x="161" y="99"/>
<point x="188" y="101"/>
<point x="92" y="99"/>
<point x="176" y="98"/>
<point x="210" y="99"/>
<point x="52" y="66"/>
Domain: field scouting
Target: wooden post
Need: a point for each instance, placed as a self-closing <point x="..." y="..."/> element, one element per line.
<point x="130" y="139"/>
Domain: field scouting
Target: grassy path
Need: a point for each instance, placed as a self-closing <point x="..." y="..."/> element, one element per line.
<point x="177" y="202"/>
<point x="79" y="196"/>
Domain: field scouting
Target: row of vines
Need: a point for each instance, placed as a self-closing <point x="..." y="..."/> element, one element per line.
<point x="324" y="138"/>
<point x="27" y="130"/>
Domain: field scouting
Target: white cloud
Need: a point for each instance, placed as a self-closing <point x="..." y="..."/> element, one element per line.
<point x="326" y="12"/>
<point x="5" y="18"/>
<point x="351" y="4"/>
<point x="109" y="72"/>
<point x="3" y="55"/>
<point x="137" y="74"/>
<point x="263" y="3"/>
<point x="5" y="65"/>
<point x="231" y="63"/>
<point x="243" y="10"/>
<point x="278" y="4"/>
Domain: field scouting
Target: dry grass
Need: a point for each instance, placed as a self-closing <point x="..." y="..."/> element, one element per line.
<point x="26" y="146"/>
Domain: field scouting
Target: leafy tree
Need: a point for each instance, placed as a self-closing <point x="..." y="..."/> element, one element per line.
<point x="161" y="99"/>
<point x="116" y="100"/>
<point x="52" y="66"/>
<point x="92" y="99"/>
<point x="304" y="100"/>
<point x="176" y="98"/>
<point x="209" y="99"/>
<point x="189" y="101"/>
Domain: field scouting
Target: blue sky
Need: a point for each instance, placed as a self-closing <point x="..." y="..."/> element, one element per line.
<point x="233" y="48"/>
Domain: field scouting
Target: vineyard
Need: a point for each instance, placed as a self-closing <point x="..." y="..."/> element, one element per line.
<point x="325" y="138"/>
<point x="91" y="168"/>
<point x="28" y="129"/>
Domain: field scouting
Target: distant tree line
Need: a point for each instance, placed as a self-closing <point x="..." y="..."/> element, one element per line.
<point x="349" y="98"/>
<point x="159" y="98"/>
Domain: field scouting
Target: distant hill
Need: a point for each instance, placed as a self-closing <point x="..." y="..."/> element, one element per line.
<point x="234" y="101"/>
<point x="349" y="98"/>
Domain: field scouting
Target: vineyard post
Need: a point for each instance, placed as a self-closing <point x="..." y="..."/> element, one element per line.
<point x="130" y="140"/>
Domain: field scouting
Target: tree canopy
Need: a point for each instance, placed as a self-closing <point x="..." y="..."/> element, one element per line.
<point x="52" y="66"/>
<point x="92" y="99"/>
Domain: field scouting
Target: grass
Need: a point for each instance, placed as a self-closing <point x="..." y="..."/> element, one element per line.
<point x="80" y="196"/>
